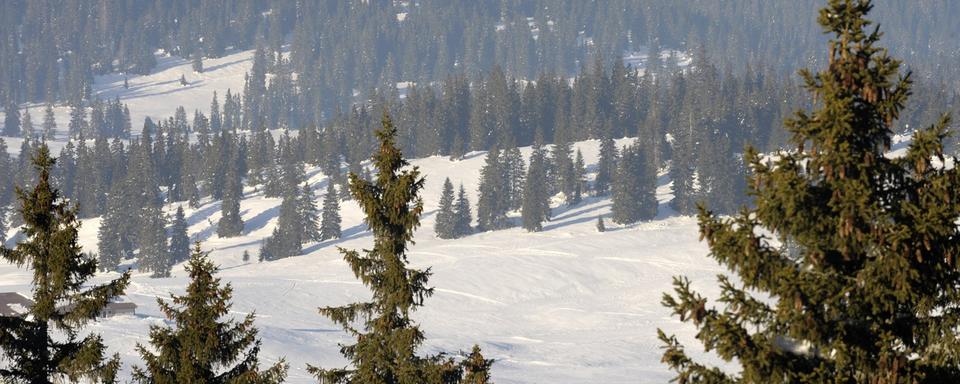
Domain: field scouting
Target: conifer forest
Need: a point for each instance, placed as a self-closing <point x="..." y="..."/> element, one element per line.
<point x="490" y="191"/>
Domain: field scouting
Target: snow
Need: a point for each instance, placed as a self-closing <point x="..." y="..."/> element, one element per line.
<point x="566" y="305"/>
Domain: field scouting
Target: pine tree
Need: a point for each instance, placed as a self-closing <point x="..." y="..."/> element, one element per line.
<point x="476" y="369"/>
<point x="43" y="347"/>
<point x="330" y="222"/>
<point x="179" y="238"/>
<point x="536" y="203"/>
<point x="116" y="232"/>
<point x="287" y="237"/>
<point x="463" y="215"/>
<point x="387" y="340"/>
<point x="310" y="215"/>
<point x="11" y="120"/>
<point x="246" y="256"/>
<point x="600" y="226"/>
<point x="867" y="294"/>
<point x="634" y="190"/>
<point x="197" y="62"/>
<point x="202" y="346"/>
<point x="444" y="226"/>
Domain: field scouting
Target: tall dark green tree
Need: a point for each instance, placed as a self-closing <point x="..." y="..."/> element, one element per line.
<point x="462" y="214"/>
<point x="868" y="292"/>
<point x="444" y="225"/>
<point x="45" y="346"/>
<point x="386" y="337"/>
<point x="536" y="200"/>
<point x="11" y="120"/>
<point x="179" y="238"/>
<point x="203" y="347"/>
<point x="476" y="369"/>
<point x="330" y="220"/>
<point x="494" y="200"/>
<point x="635" y="188"/>
<point x="309" y="214"/>
<point x="231" y="224"/>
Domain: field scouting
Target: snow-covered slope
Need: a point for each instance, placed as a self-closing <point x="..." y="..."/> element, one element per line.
<point x="566" y="305"/>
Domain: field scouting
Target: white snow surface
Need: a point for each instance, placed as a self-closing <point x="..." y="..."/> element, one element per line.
<point x="566" y="305"/>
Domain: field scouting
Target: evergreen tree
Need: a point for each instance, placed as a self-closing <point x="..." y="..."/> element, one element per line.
<point x="493" y="203"/>
<point x="179" y="238"/>
<point x="26" y="125"/>
<point x="49" y="123"/>
<point x="11" y="120"/>
<point x="202" y="346"/>
<point x="246" y="256"/>
<point x="330" y="222"/>
<point x="153" y="252"/>
<point x="867" y="294"/>
<point x="606" y="167"/>
<point x="387" y="339"/>
<point x="287" y="237"/>
<point x="197" y="62"/>
<point x="536" y="201"/>
<point x="579" y="178"/>
<point x="310" y="215"/>
<point x="476" y="369"/>
<point x="634" y="190"/>
<point x="462" y="214"/>
<point x="445" y="226"/>
<point x="230" y="223"/>
<point x="116" y="233"/>
<point x="44" y="346"/>
<point x="601" y="227"/>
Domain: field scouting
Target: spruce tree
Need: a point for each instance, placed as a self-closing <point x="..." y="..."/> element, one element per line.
<point x="330" y="222"/>
<point x="153" y="254"/>
<point x="445" y="226"/>
<point x="230" y="223"/>
<point x="463" y="215"/>
<point x="634" y="190"/>
<point x="202" y="347"/>
<point x="476" y="369"/>
<point x="44" y="346"/>
<point x="287" y="237"/>
<point x="536" y="203"/>
<point x="49" y="123"/>
<point x="26" y="125"/>
<point x="11" y="120"/>
<point x="601" y="227"/>
<point x="179" y="238"/>
<point x="386" y="338"/>
<point x="309" y="214"/>
<point x="868" y="293"/>
<point x="579" y="178"/>
<point x="493" y="203"/>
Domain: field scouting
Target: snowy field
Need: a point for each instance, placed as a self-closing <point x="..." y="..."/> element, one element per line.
<point x="566" y="305"/>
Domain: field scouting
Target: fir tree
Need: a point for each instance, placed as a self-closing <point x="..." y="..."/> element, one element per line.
<point x="310" y="215"/>
<point x="11" y="120"/>
<point x="579" y="178"/>
<point x="536" y="201"/>
<point x="330" y="222"/>
<point x="153" y="252"/>
<point x="867" y="294"/>
<point x="26" y="125"/>
<point x="44" y="347"/>
<point x="634" y="190"/>
<point x="202" y="346"/>
<point x="179" y="238"/>
<point x="230" y="223"/>
<point x="387" y="339"/>
<point x="116" y="233"/>
<point x="49" y="123"/>
<point x="476" y="369"/>
<point x="493" y="203"/>
<point x="246" y="256"/>
<point x="445" y="226"/>
<point x="463" y="215"/>
<point x="600" y="226"/>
